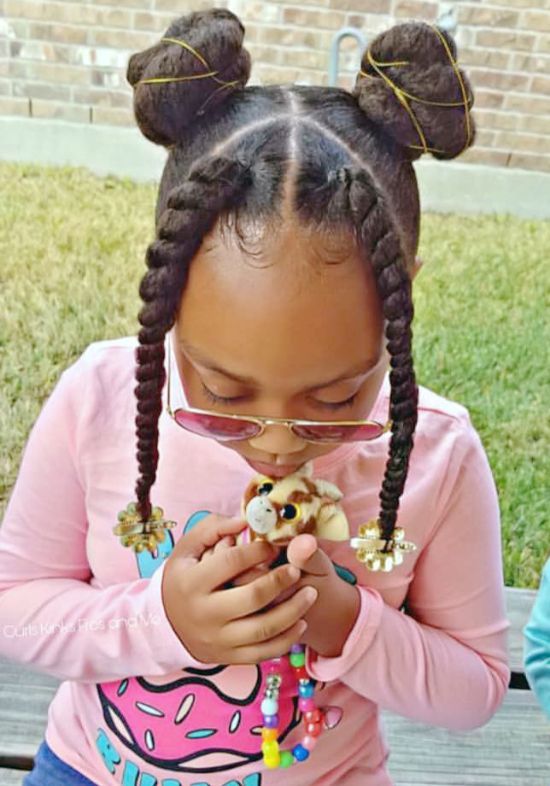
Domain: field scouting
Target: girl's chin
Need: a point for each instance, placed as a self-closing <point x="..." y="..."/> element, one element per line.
<point x="273" y="471"/>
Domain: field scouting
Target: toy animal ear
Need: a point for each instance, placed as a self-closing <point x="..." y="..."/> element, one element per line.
<point x="306" y="470"/>
<point x="327" y="489"/>
<point x="249" y="493"/>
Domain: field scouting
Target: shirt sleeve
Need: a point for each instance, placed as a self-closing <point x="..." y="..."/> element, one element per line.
<point x="51" y="618"/>
<point x="536" y="643"/>
<point x="445" y="662"/>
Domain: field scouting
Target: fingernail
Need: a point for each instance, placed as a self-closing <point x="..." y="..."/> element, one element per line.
<point x="302" y="627"/>
<point x="293" y="573"/>
<point x="310" y="594"/>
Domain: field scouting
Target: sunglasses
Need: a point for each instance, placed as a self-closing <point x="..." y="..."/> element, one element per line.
<point x="232" y="428"/>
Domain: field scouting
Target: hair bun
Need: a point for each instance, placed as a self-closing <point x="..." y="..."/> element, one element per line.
<point x="164" y="109"/>
<point x="410" y="84"/>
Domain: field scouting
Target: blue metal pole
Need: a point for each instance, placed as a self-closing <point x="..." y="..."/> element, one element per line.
<point x="334" y="61"/>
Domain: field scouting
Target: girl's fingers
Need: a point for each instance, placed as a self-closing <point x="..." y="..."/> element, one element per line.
<point x="275" y="648"/>
<point x="242" y="601"/>
<point x="304" y="553"/>
<point x="254" y="573"/>
<point x="260" y="628"/>
<point x="206" y="534"/>
<point x="224" y="565"/>
<point x="249" y="576"/>
<point x="226" y="542"/>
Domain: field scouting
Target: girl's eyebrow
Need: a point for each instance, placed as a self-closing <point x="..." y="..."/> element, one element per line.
<point x="211" y="366"/>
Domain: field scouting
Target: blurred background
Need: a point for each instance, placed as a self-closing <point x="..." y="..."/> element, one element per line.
<point x="66" y="59"/>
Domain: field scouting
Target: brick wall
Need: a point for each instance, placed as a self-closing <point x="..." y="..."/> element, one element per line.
<point x="66" y="59"/>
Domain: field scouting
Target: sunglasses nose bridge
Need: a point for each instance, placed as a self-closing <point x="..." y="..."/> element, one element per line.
<point x="264" y="425"/>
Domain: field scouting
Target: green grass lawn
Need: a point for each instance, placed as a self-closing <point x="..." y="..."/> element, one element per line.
<point x="72" y="249"/>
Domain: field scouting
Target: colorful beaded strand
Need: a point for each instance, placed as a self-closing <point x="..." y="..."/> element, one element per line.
<point x="273" y="757"/>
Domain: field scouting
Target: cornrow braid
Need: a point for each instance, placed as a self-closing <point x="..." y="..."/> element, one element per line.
<point x="353" y="192"/>
<point x="192" y="209"/>
<point x="378" y="235"/>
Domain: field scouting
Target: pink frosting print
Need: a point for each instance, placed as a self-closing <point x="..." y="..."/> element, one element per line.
<point x="207" y="720"/>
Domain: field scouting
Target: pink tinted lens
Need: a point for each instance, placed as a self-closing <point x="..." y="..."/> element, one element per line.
<point x="216" y="426"/>
<point x="343" y="433"/>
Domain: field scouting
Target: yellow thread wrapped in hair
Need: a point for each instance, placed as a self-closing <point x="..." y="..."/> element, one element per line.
<point x="162" y="80"/>
<point x="402" y="95"/>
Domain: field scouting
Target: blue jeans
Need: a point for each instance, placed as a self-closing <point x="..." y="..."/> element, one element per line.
<point x="50" y="770"/>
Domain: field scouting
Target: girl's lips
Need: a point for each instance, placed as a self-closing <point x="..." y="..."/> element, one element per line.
<point x="273" y="471"/>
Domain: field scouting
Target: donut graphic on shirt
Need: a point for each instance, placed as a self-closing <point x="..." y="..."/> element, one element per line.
<point x="200" y="722"/>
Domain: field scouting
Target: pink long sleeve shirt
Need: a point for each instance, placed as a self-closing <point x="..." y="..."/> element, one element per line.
<point x="134" y="707"/>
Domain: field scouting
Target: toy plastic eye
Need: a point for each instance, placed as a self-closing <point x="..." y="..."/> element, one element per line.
<point x="291" y="512"/>
<point x="265" y="488"/>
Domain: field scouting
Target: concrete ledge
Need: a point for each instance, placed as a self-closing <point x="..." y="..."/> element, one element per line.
<point x="445" y="186"/>
<point x="105" y="150"/>
<point x="453" y="187"/>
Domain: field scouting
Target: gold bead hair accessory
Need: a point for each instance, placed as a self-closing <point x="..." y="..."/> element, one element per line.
<point x="370" y="547"/>
<point x="402" y="95"/>
<point x="210" y="73"/>
<point x="140" y="535"/>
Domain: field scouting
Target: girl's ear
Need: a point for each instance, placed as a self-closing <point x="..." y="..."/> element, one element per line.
<point x="418" y="262"/>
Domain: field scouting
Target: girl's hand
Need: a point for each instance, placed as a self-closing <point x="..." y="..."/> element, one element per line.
<point x="231" y="626"/>
<point x="332" y="617"/>
<point x="253" y="573"/>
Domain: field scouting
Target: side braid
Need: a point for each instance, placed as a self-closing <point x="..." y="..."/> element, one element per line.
<point x="192" y="209"/>
<point x="348" y="196"/>
<point x="378" y="236"/>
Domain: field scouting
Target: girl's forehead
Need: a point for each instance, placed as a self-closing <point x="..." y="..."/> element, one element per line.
<point x="285" y="257"/>
<point x="284" y="308"/>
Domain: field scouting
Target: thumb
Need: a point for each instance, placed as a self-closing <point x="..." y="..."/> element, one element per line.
<point x="304" y="553"/>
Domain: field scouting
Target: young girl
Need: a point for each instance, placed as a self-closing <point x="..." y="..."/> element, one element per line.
<point x="278" y="291"/>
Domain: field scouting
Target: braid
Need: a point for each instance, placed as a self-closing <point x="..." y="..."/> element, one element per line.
<point x="379" y="237"/>
<point x="349" y="194"/>
<point x="192" y="209"/>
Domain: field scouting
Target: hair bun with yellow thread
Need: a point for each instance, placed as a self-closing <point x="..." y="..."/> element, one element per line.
<point x="193" y="69"/>
<point x="411" y="85"/>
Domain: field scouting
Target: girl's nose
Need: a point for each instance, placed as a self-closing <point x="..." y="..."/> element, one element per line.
<point x="277" y="439"/>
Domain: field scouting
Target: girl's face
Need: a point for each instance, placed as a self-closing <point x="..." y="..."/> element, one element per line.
<point x="281" y="334"/>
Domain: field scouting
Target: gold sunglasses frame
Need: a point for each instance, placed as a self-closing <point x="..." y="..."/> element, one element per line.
<point x="264" y="421"/>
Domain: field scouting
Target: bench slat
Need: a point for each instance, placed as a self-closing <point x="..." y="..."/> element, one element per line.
<point x="26" y="696"/>
<point x="12" y="777"/>
<point x="513" y="749"/>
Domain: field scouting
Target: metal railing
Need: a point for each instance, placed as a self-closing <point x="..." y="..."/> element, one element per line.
<point x="334" y="60"/>
<point x="446" y="20"/>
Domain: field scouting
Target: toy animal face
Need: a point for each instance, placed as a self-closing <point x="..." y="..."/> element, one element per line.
<point x="278" y="509"/>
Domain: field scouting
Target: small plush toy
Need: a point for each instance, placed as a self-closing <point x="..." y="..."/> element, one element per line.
<point x="278" y="509"/>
